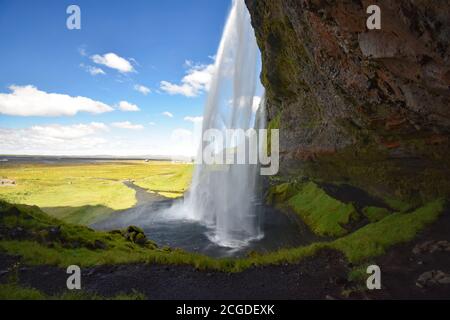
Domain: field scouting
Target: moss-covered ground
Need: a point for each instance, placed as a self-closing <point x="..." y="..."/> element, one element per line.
<point x="324" y="215"/>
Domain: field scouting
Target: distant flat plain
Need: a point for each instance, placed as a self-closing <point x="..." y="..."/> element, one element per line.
<point x="84" y="191"/>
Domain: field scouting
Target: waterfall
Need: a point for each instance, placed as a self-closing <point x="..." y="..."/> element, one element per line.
<point x="225" y="198"/>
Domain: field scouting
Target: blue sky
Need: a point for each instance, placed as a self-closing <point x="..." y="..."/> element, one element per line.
<point x="76" y="92"/>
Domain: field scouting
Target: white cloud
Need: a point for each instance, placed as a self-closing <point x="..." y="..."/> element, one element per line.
<point x="68" y="132"/>
<point x="184" y="142"/>
<point x="194" y="119"/>
<point x="196" y="81"/>
<point x="152" y="123"/>
<point x="95" y="139"/>
<point x="52" y="138"/>
<point x="82" y="51"/>
<point x="30" y="101"/>
<point x="181" y="134"/>
<point x="167" y="114"/>
<point x="142" y="89"/>
<point x="127" y="125"/>
<point x="129" y="107"/>
<point x="113" y="61"/>
<point x="94" y="71"/>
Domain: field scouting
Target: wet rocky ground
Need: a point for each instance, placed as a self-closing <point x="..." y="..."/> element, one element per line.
<point x="417" y="270"/>
<point x="420" y="269"/>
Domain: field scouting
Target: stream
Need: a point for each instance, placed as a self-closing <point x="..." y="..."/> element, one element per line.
<point x="151" y="213"/>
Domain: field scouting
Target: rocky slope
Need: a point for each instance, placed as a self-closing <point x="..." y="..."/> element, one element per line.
<point x="369" y="108"/>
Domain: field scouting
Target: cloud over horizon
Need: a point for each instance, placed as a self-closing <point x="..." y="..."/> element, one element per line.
<point x="30" y="101"/>
<point x="127" y="125"/>
<point x="52" y="137"/>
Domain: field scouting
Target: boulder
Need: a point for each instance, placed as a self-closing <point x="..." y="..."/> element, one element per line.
<point x="433" y="278"/>
<point x="136" y="235"/>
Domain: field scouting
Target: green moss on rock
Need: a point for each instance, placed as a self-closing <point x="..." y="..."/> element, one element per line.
<point x="325" y="215"/>
<point x="375" y="238"/>
<point x="281" y="193"/>
<point x="375" y="214"/>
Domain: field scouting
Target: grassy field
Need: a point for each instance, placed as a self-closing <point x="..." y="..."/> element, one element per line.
<point x="84" y="193"/>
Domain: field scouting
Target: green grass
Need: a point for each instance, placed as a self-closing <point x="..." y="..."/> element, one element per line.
<point x="170" y="180"/>
<point x="358" y="274"/>
<point x="368" y="242"/>
<point x="398" y="205"/>
<point x="281" y="192"/>
<point x="375" y="214"/>
<point x="15" y="292"/>
<point x="85" y="193"/>
<point x="375" y="238"/>
<point x="12" y="291"/>
<point x="323" y="214"/>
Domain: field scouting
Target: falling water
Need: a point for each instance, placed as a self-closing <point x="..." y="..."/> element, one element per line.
<point x="223" y="204"/>
<point x="225" y="199"/>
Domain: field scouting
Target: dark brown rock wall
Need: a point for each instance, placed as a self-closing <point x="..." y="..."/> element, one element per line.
<point x="371" y="108"/>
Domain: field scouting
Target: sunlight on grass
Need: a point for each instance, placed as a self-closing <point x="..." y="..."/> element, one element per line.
<point x="325" y="215"/>
<point x="84" y="193"/>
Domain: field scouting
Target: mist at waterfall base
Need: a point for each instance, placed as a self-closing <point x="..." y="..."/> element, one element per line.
<point x="222" y="214"/>
<point x="224" y="200"/>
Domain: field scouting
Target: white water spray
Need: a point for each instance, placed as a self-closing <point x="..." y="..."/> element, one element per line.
<point x="225" y="199"/>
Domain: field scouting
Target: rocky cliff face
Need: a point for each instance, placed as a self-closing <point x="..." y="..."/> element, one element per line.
<point x="369" y="108"/>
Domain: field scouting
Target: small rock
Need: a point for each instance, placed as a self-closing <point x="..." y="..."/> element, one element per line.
<point x="54" y="233"/>
<point x="444" y="280"/>
<point x="100" y="245"/>
<point x="431" y="247"/>
<point x="432" y="278"/>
